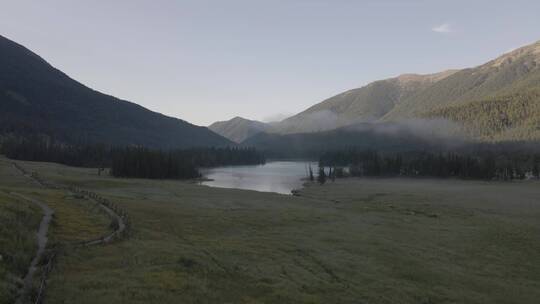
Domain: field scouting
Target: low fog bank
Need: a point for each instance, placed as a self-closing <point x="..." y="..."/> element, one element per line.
<point x="407" y="135"/>
<point x="327" y="120"/>
<point x="435" y="131"/>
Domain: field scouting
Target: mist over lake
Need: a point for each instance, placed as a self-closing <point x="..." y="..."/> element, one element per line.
<point x="275" y="176"/>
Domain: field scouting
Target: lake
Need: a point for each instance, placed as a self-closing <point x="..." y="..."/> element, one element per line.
<point x="274" y="176"/>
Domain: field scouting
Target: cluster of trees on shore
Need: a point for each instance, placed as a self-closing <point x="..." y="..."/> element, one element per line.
<point x="137" y="162"/>
<point x="145" y="163"/>
<point x="484" y="165"/>
<point x="177" y="164"/>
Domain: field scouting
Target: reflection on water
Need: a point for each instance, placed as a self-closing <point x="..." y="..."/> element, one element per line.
<point x="277" y="176"/>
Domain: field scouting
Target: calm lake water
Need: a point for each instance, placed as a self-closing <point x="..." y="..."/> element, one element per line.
<point x="275" y="176"/>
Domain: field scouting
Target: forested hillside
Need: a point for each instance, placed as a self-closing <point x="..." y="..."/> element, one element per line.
<point x="514" y="116"/>
<point x="37" y="98"/>
<point x="365" y="104"/>
<point x="518" y="70"/>
<point x="494" y="101"/>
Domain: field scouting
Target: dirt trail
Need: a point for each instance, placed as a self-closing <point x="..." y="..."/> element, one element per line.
<point x="41" y="237"/>
<point x="118" y="230"/>
<point x="107" y="206"/>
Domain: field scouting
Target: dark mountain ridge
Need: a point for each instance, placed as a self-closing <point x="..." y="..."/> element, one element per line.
<point x="35" y="98"/>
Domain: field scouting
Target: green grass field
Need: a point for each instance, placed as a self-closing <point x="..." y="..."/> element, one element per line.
<point x="18" y="222"/>
<point x="353" y="241"/>
<point x="74" y="220"/>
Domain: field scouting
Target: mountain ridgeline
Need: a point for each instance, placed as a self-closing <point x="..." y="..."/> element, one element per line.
<point x="239" y="129"/>
<point x="514" y="76"/>
<point x="496" y="101"/>
<point x="366" y="104"/>
<point x="36" y="98"/>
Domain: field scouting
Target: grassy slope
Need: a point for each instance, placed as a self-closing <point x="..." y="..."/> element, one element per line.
<point x="372" y="241"/>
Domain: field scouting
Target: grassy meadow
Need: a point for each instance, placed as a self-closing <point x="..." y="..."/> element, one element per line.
<point x="352" y="241"/>
<point x="74" y="220"/>
<point x="18" y="222"/>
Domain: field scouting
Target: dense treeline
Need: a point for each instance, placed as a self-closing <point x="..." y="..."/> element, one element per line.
<point x="471" y="165"/>
<point x="42" y="148"/>
<point x="145" y="163"/>
<point x="129" y="161"/>
<point x="514" y="116"/>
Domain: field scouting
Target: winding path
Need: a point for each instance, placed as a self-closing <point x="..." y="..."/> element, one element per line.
<point x="110" y="237"/>
<point x="41" y="237"/>
<point x="44" y="226"/>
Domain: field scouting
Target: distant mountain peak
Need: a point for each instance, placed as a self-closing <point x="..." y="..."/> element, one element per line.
<point x="238" y="128"/>
<point x="239" y="118"/>
<point x="408" y="78"/>
<point x="531" y="51"/>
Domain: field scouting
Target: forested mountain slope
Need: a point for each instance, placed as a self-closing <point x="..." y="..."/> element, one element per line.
<point x="37" y="98"/>
<point x="518" y="70"/>
<point x="509" y="82"/>
<point x="514" y="116"/>
<point x="365" y="104"/>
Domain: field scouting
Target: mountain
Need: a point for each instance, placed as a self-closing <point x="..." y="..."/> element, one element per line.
<point x="503" y="94"/>
<point x="518" y="70"/>
<point x="507" y="117"/>
<point x="239" y="129"/>
<point x="366" y="104"/>
<point x="37" y="98"/>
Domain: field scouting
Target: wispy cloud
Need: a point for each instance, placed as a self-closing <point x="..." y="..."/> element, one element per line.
<point x="444" y="28"/>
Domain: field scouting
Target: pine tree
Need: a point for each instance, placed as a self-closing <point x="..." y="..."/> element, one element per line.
<point x="311" y="177"/>
<point x="536" y="170"/>
<point x="322" y="176"/>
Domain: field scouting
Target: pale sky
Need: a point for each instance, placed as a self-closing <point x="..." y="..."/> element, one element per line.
<point x="204" y="60"/>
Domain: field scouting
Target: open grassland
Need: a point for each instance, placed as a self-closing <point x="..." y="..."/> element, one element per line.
<point x="353" y="241"/>
<point x="18" y="222"/>
<point x="75" y="220"/>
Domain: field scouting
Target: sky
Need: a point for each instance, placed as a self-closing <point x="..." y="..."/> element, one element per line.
<point x="204" y="61"/>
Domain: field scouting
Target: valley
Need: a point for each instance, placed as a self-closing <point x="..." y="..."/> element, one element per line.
<point x="420" y="188"/>
<point x="367" y="240"/>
